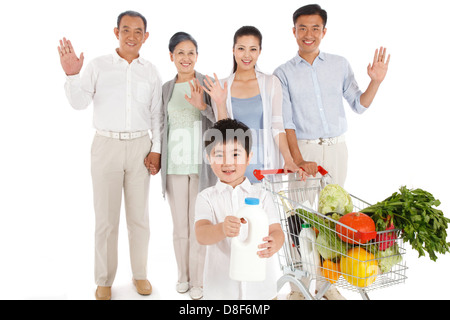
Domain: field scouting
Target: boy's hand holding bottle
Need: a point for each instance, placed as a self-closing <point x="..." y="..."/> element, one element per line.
<point x="232" y="226"/>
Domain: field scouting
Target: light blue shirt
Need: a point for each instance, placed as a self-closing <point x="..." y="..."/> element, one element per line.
<point x="312" y="95"/>
<point x="250" y="112"/>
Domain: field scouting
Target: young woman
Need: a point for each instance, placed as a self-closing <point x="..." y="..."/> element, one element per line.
<point x="254" y="98"/>
<point x="187" y="114"/>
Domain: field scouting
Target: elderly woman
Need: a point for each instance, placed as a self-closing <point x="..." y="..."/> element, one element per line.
<point x="183" y="172"/>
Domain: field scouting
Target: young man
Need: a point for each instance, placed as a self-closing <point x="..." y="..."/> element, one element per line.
<point x="229" y="155"/>
<point x="314" y="83"/>
<point x="126" y="92"/>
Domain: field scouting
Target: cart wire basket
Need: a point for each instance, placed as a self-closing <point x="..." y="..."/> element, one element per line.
<point x="319" y="248"/>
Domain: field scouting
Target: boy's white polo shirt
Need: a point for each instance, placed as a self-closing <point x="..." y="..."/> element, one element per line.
<point x="214" y="204"/>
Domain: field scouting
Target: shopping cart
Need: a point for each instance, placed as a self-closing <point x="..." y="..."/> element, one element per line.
<point x="320" y="249"/>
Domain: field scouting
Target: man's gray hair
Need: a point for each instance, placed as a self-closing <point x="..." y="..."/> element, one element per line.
<point x="132" y="14"/>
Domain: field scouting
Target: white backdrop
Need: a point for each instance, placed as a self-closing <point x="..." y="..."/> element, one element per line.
<point x="46" y="211"/>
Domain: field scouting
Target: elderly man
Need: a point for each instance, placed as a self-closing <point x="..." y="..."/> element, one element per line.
<point x="126" y="92"/>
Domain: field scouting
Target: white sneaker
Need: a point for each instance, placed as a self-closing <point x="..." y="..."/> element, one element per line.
<point x="196" y="293"/>
<point x="182" y="287"/>
<point x="333" y="294"/>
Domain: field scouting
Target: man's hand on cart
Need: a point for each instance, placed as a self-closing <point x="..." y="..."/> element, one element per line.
<point x="232" y="225"/>
<point x="290" y="166"/>
<point x="310" y="167"/>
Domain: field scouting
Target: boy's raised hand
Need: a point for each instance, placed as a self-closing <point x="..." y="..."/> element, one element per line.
<point x="70" y="63"/>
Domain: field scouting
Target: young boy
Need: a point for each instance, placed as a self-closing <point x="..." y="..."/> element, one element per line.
<point x="229" y="155"/>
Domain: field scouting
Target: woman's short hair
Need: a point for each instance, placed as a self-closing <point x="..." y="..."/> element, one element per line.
<point x="180" y="37"/>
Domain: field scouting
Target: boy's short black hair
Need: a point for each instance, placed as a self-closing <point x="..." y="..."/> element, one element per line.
<point x="309" y="10"/>
<point x="227" y="130"/>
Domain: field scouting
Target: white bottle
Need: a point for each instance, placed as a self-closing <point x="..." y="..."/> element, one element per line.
<point x="245" y="263"/>
<point x="308" y="252"/>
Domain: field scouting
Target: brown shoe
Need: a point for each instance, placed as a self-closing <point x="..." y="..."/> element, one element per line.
<point x="103" y="293"/>
<point x="143" y="287"/>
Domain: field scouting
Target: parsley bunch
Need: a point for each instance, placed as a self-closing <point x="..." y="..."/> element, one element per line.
<point x="414" y="212"/>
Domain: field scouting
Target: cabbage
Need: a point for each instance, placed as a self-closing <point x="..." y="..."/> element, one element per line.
<point x="388" y="258"/>
<point x="333" y="198"/>
<point x="329" y="246"/>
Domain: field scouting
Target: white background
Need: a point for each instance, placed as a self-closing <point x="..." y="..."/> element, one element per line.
<point x="46" y="211"/>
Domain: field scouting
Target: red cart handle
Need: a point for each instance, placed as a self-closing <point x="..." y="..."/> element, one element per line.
<point x="259" y="174"/>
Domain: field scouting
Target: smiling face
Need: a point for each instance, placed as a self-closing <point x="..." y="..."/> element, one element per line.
<point x="229" y="162"/>
<point x="184" y="56"/>
<point x="309" y="32"/>
<point x="131" y="35"/>
<point x="246" y="52"/>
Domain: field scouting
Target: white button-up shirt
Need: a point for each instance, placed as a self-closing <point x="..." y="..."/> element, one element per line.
<point x="214" y="204"/>
<point x="126" y="96"/>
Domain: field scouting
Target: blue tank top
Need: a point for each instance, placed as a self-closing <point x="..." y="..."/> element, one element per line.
<point x="250" y="112"/>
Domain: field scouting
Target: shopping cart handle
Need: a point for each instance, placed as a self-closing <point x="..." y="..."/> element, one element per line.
<point x="259" y="174"/>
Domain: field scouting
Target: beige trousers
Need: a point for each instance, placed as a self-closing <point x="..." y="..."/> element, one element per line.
<point x="332" y="158"/>
<point x="182" y="192"/>
<point x="116" y="166"/>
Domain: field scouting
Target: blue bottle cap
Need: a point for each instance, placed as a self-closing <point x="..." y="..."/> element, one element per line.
<point x="252" y="201"/>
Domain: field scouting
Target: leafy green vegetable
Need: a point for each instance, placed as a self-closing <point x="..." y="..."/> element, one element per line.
<point x="332" y="218"/>
<point x="388" y="258"/>
<point x="327" y="243"/>
<point x="333" y="198"/>
<point x="313" y="219"/>
<point x="336" y="216"/>
<point x="414" y="212"/>
<point x="330" y="246"/>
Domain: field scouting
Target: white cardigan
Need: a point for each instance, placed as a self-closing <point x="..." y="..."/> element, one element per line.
<point x="272" y="100"/>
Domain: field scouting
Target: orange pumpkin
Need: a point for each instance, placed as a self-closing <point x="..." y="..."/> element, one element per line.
<point x="331" y="271"/>
<point x="361" y="223"/>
